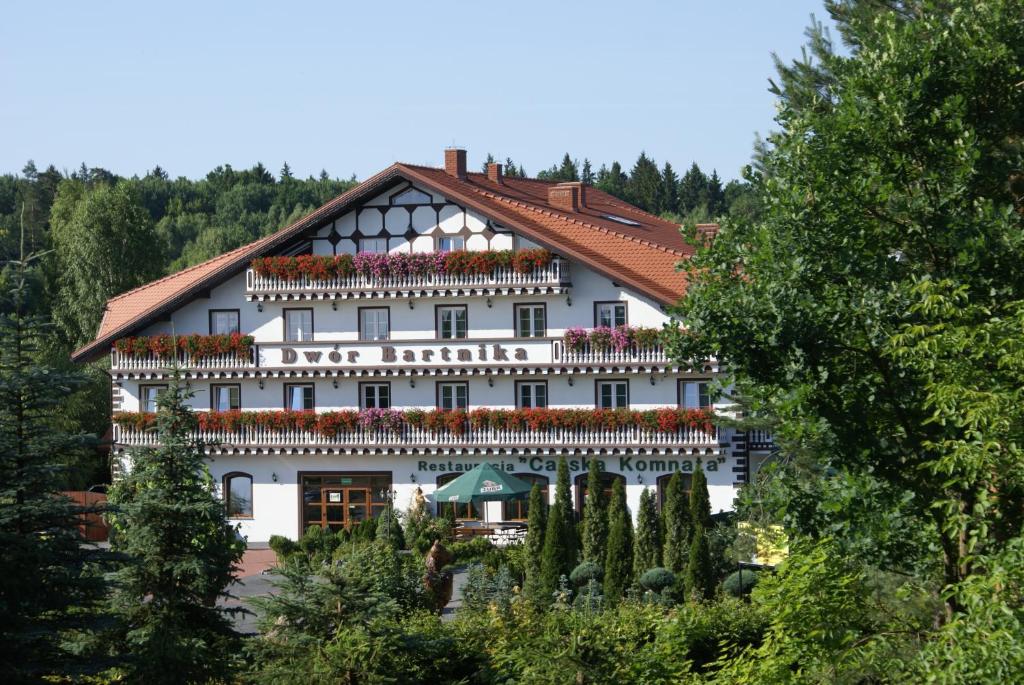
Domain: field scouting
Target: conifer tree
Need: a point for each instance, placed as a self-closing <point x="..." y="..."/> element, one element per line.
<point x="716" y="195"/>
<point x="699" y="580"/>
<point x="700" y="501"/>
<point x="618" y="568"/>
<point x="532" y="587"/>
<point x="183" y="554"/>
<point x="647" y="550"/>
<point x="693" y="189"/>
<point x="595" y="517"/>
<point x="587" y="173"/>
<point x="613" y="181"/>
<point x="676" y="512"/>
<point x="45" y="570"/>
<point x="644" y="186"/>
<point x="569" y="171"/>
<point x="669" y="189"/>
<point x="560" y="546"/>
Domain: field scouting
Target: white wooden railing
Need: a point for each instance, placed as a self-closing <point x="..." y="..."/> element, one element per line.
<point x="556" y="273"/>
<point x="650" y="354"/>
<point x="410" y="436"/>
<point x="228" y="360"/>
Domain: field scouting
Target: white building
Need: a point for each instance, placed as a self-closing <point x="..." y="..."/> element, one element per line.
<point x="439" y="338"/>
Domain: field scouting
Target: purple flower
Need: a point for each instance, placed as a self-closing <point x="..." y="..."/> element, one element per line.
<point x="389" y="420"/>
<point x="575" y="338"/>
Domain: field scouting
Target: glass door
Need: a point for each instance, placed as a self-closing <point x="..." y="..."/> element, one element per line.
<point x="357" y="506"/>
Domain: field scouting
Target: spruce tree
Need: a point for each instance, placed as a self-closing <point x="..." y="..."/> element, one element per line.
<point x="595" y="517"/>
<point x="647" y="550"/>
<point x="676" y="513"/>
<point x="587" y="172"/>
<point x="669" y="189"/>
<point x="45" y="569"/>
<point x="700" y="501"/>
<point x="569" y="171"/>
<point x="532" y="587"/>
<point x="699" y="581"/>
<point x="693" y="189"/>
<point x="183" y="555"/>
<point x="644" y="186"/>
<point x="612" y="181"/>
<point x="560" y="546"/>
<point x="716" y="195"/>
<point x="618" y="568"/>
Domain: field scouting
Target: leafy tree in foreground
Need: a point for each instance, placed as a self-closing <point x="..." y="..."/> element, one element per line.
<point x="532" y="586"/>
<point x="559" y="554"/>
<point x="618" y="568"/>
<point x="676" y="513"/>
<point x="647" y="550"/>
<point x="873" y="302"/>
<point x="595" y="517"/>
<point x="182" y="556"/>
<point x="46" y="572"/>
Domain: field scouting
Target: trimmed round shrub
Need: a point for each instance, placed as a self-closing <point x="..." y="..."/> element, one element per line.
<point x="657" y="579"/>
<point x="740" y="583"/>
<point x="283" y="547"/>
<point x="585" y="572"/>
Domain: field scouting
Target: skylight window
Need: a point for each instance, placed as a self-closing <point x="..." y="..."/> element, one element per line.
<point x="621" y="220"/>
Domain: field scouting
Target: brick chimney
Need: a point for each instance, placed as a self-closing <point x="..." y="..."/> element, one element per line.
<point x="707" y="232"/>
<point x="455" y="162"/>
<point x="568" y="196"/>
<point x="494" y="173"/>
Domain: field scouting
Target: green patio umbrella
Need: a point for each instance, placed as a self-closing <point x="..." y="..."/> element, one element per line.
<point x="483" y="483"/>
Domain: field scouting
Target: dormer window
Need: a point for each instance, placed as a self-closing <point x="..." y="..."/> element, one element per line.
<point x="410" y="196"/>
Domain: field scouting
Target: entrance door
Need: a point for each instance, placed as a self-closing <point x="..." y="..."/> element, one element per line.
<point x="342" y="500"/>
<point x="357" y="506"/>
<point x="344" y="507"/>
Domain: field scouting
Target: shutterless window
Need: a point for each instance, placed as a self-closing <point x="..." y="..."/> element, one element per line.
<point x="612" y="394"/>
<point x="376" y="395"/>
<point x="532" y="395"/>
<point x="451" y="243"/>
<point x="374" y="245"/>
<point x="452" y="322"/>
<point x="452" y="396"/>
<point x="223" y="321"/>
<point x="148" y="396"/>
<point x="611" y="314"/>
<point x="531" y="320"/>
<point x="238" y="495"/>
<point x="226" y="397"/>
<point x="298" y="325"/>
<point x="298" y="397"/>
<point x="374" y="323"/>
<point x="695" y="394"/>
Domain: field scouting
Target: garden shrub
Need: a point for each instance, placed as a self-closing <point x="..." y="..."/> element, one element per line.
<point x="657" y="579"/>
<point x="283" y="547"/>
<point x="740" y="583"/>
<point x="470" y="551"/>
<point x="318" y="544"/>
<point x="586" y="572"/>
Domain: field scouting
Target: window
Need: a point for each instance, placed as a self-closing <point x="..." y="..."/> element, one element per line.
<point x="225" y="397"/>
<point x="374" y="245"/>
<point x="238" y="495"/>
<point x="531" y="320"/>
<point x="375" y="395"/>
<point x="452" y="396"/>
<point x="663" y="482"/>
<point x="342" y="500"/>
<point x="519" y="509"/>
<point x="451" y="243"/>
<point x="610" y="314"/>
<point x="298" y="397"/>
<point x="374" y="323"/>
<point x="612" y="394"/>
<point x="532" y="394"/>
<point x="452" y="322"/>
<point x="694" y="394"/>
<point x="607" y="481"/>
<point x="298" y="325"/>
<point x="463" y="512"/>
<point x="224" y="321"/>
<point x="621" y="219"/>
<point x="148" y="395"/>
<point x="410" y="196"/>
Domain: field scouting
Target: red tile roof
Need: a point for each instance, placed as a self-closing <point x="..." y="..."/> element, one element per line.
<point x="643" y="256"/>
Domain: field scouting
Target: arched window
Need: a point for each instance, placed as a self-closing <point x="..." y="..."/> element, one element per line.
<point x="519" y="509"/>
<point x="463" y="512"/>
<point x="607" y="481"/>
<point x="238" y="495"/>
<point x="663" y="486"/>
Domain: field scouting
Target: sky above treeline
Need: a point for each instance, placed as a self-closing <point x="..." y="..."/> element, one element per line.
<point x="352" y="87"/>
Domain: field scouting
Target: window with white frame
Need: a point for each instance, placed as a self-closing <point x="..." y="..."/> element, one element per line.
<point x="298" y="325"/>
<point x="452" y="322"/>
<point x="374" y="323"/>
<point x="451" y="243"/>
<point x="694" y="394"/>
<point x="612" y="394"/>
<point x="375" y="395"/>
<point x="225" y="397"/>
<point x="531" y="320"/>
<point x="148" y="396"/>
<point x="452" y="396"/>
<point x="298" y="397"/>
<point x="532" y="394"/>
<point x="223" y="321"/>
<point x="610" y="314"/>
<point x="373" y="245"/>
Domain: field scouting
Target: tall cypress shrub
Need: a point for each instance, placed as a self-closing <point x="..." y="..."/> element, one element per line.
<point x="618" y="568"/>
<point x="676" y="513"/>
<point x="700" y="575"/>
<point x="183" y="555"/>
<point x="533" y="585"/>
<point x="700" y="501"/>
<point x="560" y="546"/>
<point x="647" y="550"/>
<point x="595" y="517"/>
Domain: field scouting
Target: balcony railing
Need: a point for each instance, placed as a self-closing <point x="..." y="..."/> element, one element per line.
<point x="555" y="274"/>
<point x="130" y="362"/>
<point x="411" y="436"/>
<point x="760" y="440"/>
<point x="588" y="354"/>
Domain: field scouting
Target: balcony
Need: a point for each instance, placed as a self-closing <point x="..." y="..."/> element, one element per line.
<point x="550" y="279"/>
<point x="760" y="441"/>
<point x="123" y="362"/>
<point x="590" y="354"/>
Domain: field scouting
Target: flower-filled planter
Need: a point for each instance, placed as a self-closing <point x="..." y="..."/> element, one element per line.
<point x="195" y="346"/>
<point x="416" y="264"/>
<point x="618" y="339"/>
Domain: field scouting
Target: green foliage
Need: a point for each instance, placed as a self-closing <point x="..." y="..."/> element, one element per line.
<point x="586" y="572"/>
<point x="319" y="544"/>
<point x="618" y="569"/>
<point x="389" y="529"/>
<point x="647" y="550"/>
<point x="595" y="517"/>
<point x="385" y="571"/>
<point x="558" y="556"/>
<point x="470" y="551"/>
<point x="700" y="501"/>
<point x="676" y="513"/>
<point x="740" y="583"/>
<point x="182" y="553"/>
<point x="283" y="547"/>
<point x="700" y="579"/>
<point x="657" y="579"/>
<point x="533" y="587"/>
<point x="488" y="588"/>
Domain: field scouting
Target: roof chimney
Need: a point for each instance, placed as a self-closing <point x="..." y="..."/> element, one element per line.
<point x="455" y="162"/>
<point x="568" y="196"/>
<point x="707" y="232"/>
<point x="494" y="173"/>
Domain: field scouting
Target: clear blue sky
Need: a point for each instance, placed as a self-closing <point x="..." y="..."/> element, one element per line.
<point x="352" y="87"/>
